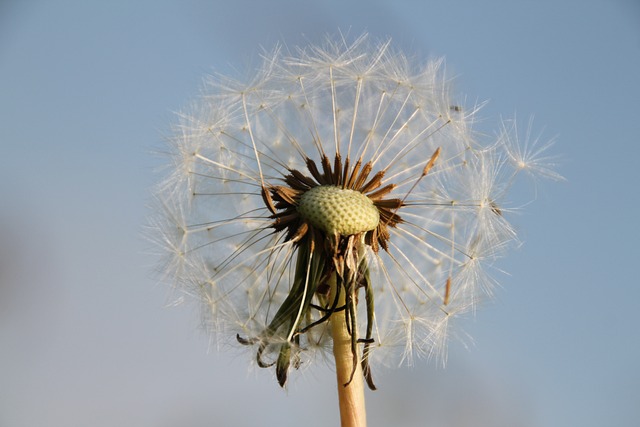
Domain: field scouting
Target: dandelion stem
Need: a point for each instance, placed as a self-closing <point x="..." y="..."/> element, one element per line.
<point x="350" y="383"/>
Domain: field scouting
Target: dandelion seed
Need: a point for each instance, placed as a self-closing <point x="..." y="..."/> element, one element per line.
<point x="527" y="153"/>
<point x="447" y="292"/>
<point x="335" y="202"/>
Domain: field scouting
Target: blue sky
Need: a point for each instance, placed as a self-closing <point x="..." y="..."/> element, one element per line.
<point x="87" y="92"/>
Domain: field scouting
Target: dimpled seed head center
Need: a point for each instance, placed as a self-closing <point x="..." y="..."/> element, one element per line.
<point x="337" y="210"/>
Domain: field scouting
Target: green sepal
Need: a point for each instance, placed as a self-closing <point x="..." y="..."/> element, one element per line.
<point x="282" y="365"/>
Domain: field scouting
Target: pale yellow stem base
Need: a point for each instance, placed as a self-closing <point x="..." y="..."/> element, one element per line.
<point x="351" y="397"/>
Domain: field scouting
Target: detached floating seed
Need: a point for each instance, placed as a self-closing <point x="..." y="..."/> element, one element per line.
<point x="338" y="211"/>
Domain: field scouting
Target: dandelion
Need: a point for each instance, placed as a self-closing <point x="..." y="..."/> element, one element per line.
<point x="338" y="201"/>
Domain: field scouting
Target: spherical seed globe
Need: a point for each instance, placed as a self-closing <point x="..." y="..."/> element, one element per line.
<point x="356" y="120"/>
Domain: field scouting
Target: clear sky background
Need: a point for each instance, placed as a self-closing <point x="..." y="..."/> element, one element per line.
<point x="87" y="91"/>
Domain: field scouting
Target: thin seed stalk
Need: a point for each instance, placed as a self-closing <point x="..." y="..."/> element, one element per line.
<point x="350" y="383"/>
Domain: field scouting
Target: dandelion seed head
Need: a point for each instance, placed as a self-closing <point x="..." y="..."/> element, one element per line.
<point x="346" y="166"/>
